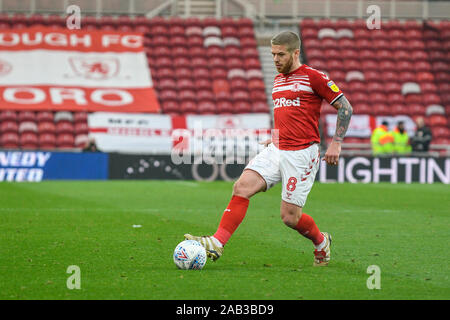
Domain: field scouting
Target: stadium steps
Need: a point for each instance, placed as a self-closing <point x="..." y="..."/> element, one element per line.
<point x="269" y="71"/>
<point x="199" y="8"/>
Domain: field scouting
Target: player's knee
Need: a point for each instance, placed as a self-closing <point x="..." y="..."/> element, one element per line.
<point x="241" y="189"/>
<point x="289" y="220"/>
<point x="290" y="217"/>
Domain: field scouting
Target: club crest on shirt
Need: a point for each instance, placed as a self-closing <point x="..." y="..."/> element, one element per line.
<point x="333" y="86"/>
<point x="296" y="87"/>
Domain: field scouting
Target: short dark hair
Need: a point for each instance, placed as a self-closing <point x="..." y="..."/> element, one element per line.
<point x="385" y="123"/>
<point x="287" y="38"/>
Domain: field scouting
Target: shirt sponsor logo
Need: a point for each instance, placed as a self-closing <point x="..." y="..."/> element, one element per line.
<point x="283" y="102"/>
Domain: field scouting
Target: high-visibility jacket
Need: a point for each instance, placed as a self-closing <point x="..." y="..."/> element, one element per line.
<point x="382" y="141"/>
<point x="401" y="142"/>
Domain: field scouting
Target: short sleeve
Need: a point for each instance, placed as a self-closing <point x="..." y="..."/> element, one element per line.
<point x="324" y="86"/>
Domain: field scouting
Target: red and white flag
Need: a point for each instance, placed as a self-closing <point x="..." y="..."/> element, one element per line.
<point x="43" y="68"/>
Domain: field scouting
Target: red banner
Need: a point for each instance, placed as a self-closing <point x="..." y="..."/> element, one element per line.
<point x="42" y="68"/>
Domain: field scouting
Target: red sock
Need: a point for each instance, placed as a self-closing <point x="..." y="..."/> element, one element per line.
<point x="308" y="228"/>
<point x="231" y="218"/>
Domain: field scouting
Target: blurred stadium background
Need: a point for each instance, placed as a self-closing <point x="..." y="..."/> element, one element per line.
<point x="208" y="62"/>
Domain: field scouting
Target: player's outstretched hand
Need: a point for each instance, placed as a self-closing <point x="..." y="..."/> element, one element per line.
<point x="332" y="154"/>
<point x="266" y="143"/>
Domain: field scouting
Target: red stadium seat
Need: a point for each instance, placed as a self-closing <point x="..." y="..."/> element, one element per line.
<point x="166" y="95"/>
<point x="203" y="95"/>
<point x="23" y="116"/>
<point x="377" y="98"/>
<point x="238" y="83"/>
<point x="166" y="84"/>
<point x="440" y="132"/>
<point x="240" y="95"/>
<point x="206" y="107"/>
<point x="46" y="127"/>
<point x="213" y="51"/>
<point x="218" y="73"/>
<point x="357" y="86"/>
<point x="165" y="72"/>
<point x="183" y="84"/>
<point x="429" y="87"/>
<point x="198" y="62"/>
<point x="229" y="31"/>
<point x="162" y="62"/>
<point x="44" y="116"/>
<point x="224" y="107"/>
<point x="349" y="54"/>
<point x="392" y="87"/>
<point x="234" y="63"/>
<point x="217" y="62"/>
<point x="80" y="117"/>
<point x="399" y="109"/>
<point x="381" y="109"/>
<point x="373" y="75"/>
<point x="186" y="73"/>
<point x="375" y="87"/>
<point x="179" y="62"/>
<point x="9" y="126"/>
<point x="395" y="98"/>
<point x="185" y="95"/>
<point x="242" y="107"/>
<point x="368" y="65"/>
<point x="8" y="115"/>
<point x="203" y="84"/>
<point x="64" y="127"/>
<point x="431" y="98"/>
<point x="416" y="109"/>
<point x="81" y="128"/>
<point x="359" y="97"/>
<point x="256" y="84"/>
<point x="318" y="64"/>
<point x="9" y="140"/>
<point x="188" y="107"/>
<point x="407" y="76"/>
<point x="28" y="140"/>
<point x="260" y="107"/>
<point x="258" y="95"/>
<point x="170" y="107"/>
<point x="384" y="54"/>
<point x="65" y="141"/>
<point x="437" y="120"/>
<point x="413" y="99"/>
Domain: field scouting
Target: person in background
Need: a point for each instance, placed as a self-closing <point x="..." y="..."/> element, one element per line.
<point x="382" y="140"/>
<point x="421" y="140"/>
<point x="401" y="139"/>
<point x="90" y="146"/>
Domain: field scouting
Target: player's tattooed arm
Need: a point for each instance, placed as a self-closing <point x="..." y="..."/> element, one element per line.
<point x="344" y="115"/>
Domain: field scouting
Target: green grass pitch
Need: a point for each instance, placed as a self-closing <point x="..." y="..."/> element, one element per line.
<point x="46" y="227"/>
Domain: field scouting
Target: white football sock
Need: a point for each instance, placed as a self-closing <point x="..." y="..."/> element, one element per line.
<point x="217" y="242"/>
<point x="322" y="244"/>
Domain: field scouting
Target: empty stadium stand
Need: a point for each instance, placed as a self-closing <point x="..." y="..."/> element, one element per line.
<point x="401" y="69"/>
<point x="212" y="66"/>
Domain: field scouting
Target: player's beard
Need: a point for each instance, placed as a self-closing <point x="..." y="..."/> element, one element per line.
<point x="288" y="66"/>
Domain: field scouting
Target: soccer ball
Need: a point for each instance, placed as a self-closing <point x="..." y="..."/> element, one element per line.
<point x="189" y="254"/>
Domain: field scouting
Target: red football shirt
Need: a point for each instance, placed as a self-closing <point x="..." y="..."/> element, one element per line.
<point x="297" y="98"/>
